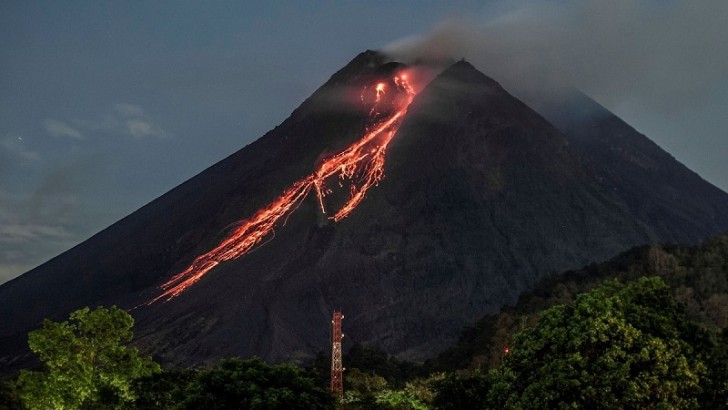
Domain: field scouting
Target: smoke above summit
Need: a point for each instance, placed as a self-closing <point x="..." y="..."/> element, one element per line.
<point x="663" y="66"/>
<point x="619" y="49"/>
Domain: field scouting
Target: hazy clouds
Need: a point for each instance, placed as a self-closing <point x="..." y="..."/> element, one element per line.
<point x="54" y="183"/>
<point x="669" y="54"/>
<point x="60" y="129"/>
<point x="48" y="219"/>
<point x="660" y="65"/>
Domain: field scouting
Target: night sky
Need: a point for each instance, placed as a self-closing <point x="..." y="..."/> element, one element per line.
<point x="105" y="105"/>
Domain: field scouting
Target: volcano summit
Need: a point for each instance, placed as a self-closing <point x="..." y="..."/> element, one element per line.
<point x="414" y="213"/>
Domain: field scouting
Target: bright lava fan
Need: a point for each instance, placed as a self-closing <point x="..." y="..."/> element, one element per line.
<point x="361" y="166"/>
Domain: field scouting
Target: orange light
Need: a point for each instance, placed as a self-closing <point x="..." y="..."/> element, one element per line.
<point x="362" y="163"/>
<point x="380" y="92"/>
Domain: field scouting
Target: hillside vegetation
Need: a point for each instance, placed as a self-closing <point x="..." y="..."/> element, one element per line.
<point x="647" y="329"/>
<point x="696" y="275"/>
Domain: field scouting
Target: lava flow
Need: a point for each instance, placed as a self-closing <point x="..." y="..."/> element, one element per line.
<point x="362" y="163"/>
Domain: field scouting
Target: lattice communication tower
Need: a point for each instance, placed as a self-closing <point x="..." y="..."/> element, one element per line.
<point x="337" y="368"/>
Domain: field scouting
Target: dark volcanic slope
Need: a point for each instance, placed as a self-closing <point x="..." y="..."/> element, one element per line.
<point x="676" y="202"/>
<point x="482" y="197"/>
<point x="163" y="236"/>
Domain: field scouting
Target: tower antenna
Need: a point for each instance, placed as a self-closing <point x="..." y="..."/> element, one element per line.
<point x="337" y="368"/>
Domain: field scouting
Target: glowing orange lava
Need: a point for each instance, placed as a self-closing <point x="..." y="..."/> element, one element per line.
<point x="362" y="163"/>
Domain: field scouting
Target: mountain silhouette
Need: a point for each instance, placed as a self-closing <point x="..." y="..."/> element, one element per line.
<point x="481" y="197"/>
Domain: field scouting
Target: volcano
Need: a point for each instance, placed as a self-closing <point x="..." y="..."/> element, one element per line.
<point x="413" y="209"/>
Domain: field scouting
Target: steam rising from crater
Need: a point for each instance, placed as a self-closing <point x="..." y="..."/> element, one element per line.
<point x="662" y="66"/>
<point x="662" y="54"/>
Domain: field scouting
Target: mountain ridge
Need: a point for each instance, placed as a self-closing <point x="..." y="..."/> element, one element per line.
<point x="482" y="197"/>
<point x="636" y="168"/>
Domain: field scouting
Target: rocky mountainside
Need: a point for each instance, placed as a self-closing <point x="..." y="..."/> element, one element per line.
<point x="676" y="202"/>
<point x="482" y="197"/>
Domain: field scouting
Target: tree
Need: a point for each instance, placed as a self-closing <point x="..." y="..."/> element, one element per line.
<point x="253" y="384"/>
<point x="86" y="362"/>
<point x="399" y="400"/>
<point x="464" y="390"/>
<point x="371" y="360"/>
<point x="165" y="390"/>
<point x="618" y="346"/>
<point x="715" y="394"/>
<point x="10" y="396"/>
<point x="418" y="394"/>
<point x="371" y="391"/>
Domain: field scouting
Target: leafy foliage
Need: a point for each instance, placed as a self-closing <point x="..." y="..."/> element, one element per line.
<point x="649" y="343"/>
<point x="640" y="331"/>
<point x="361" y="389"/>
<point x="616" y="346"/>
<point x="462" y="391"/>
<point x="86" y="364"/>
<point x="697" y="275"/>
<point x="368" y="390"/>
<point x="400" y="399"/>
<point x="253" y="384"/>
<point x="165" y="390"/>
<point x="10" y="396"/>
<point x="371" y="360"/>
<point x="716" y="386"/>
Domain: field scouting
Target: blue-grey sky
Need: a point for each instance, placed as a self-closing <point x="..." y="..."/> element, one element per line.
<point x="105" y="105"/>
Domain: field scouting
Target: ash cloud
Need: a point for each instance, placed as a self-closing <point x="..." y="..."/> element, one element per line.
<point x="659" y="65"/>
<point x="667" y="53"/>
